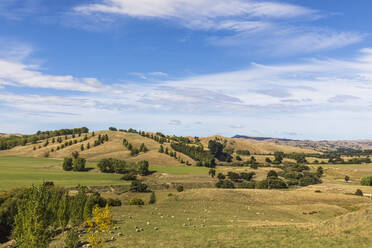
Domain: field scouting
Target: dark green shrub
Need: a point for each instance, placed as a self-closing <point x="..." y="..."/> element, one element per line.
<point x="272" y="173"/>
<point x="247" y="185"/>
<point x="113" y="202"/>
<point x="130" y="176"/>
<point x="179" y="188"/>
<point x="359" y="192"/>
<point x="138" y="186"/>
<point x="247" y="175"/>
<point x="136" y="201"/>
<point x="233" y="176"/>
<point x="308" y="180"/>
<point x="366" y="181"/>
<point x="225" y="184"/>
<point x="221" y="176"/>
<point x="292" y="182"/>
<point x="67" y="164"/>
<point x="271" y="183"/>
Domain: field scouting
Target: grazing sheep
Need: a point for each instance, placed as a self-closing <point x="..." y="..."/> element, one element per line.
<point x="155" y="228"/>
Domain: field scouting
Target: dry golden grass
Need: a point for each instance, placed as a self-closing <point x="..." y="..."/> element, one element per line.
<point x="113" y="148"/>
<point x="256" y="147"/>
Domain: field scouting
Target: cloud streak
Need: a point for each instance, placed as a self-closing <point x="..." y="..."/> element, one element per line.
<point x="329" y="89"/>
<point x="264" y="25"/>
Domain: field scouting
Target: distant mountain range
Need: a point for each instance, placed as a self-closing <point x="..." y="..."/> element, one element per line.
<point x="322" y="145"/>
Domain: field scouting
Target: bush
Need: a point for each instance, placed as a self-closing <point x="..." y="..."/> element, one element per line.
<point x="79" y="164"/>
<point x="113" y="202"/>
<point x="247" y="185"/>
<point x="136" y="201"/>
<point x="308" y="180"/>
<point x="138" y="186"/>
<point x="292" y="182"/>
<point x="179" y="188"/>
<point x="271" y="183"/>
<point x="130" y="176"/>
<point x="67" y="164"/>
<point x="247" y="176"/>
<point x="233" y="176"/>
<point x="272" y="173"/>
<point x="359" y="192"/>
<point x="152" y="198"/>
<point x="225" y="184"/>
<point x="221" y="176"/>
<point x="366" y="181"/>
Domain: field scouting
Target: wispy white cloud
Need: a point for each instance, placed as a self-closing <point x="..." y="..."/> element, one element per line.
<point x="196" y="9"/>
<point x="329" y="89"/>
<point x="266" y="26"/>
<point x="17" y="74"/>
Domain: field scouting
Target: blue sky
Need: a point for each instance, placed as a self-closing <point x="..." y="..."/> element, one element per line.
<point x="295" y="69"/>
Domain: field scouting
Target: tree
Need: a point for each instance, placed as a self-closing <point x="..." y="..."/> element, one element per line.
<point x="152" y="198"/>
<point x="212" y="172"/>
<point x="82" y="147"/>
<point x="226" y="184"/>
<point x="32" y="222"/>
<point x="238" y="158"/>
<point x="347" y="178"/>
<point x="138" y="186"/>
<point x="143" y="168"/>
<point x="272" y="174"/>
<point x="79" y="164"/>
<point x="215" y="147"/>
<point x="220" y="176"/>
<point x="77" y="205"/>
<point x="179" y="188"/>
<point x="75" y="154"/>
<point x="113" y="129"/>
<point x="233" y="176"/>
<point x="161" y="149"/>
<point x="88" y="146"/>
<point x="278" y="157"/>
<point x="268" y="160"/>
<point x="67" y="164"/>
<point x="99" y="226"/>
<point x="63" y="215"/>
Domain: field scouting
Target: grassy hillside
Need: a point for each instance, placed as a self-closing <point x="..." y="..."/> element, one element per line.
<point x="241" y="218"/>
<point x="256" y="147"/>
<point x="114" y="148"/>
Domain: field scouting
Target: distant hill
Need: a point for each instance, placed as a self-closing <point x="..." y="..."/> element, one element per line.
<point x="321" y="146"/>
<point x="261" y="138"/>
